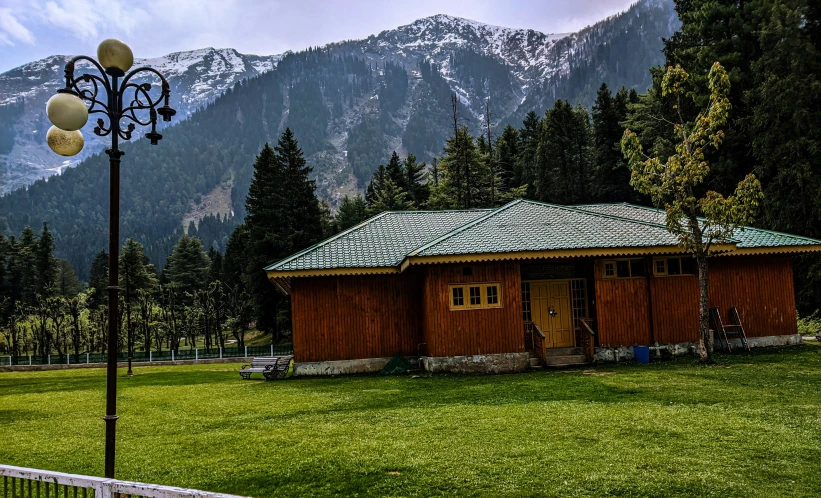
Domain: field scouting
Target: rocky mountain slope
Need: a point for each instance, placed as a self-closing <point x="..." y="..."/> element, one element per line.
<point x="197" y="77"/>
<point x="349" y="104"/>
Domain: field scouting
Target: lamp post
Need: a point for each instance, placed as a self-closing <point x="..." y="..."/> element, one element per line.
<point x="68" y="111"/>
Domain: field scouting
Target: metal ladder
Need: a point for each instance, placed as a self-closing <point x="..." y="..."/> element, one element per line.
<point x="735" y="329"/>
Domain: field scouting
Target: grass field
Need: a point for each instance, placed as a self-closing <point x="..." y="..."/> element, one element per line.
<point x="749" y="426"/>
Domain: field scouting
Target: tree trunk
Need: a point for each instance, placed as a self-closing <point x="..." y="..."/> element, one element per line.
<point x="703" y="311"/>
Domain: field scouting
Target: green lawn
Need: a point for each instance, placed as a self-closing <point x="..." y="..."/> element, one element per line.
<point x="749" y="426"/>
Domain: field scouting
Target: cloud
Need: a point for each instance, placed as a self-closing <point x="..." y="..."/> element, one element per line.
<point x="87" y="19"/>
<point x="11" y="30"/>
<point x="39" y="28"/>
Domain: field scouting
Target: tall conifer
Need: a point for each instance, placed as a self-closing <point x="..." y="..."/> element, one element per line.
<point x="283" y="217"/>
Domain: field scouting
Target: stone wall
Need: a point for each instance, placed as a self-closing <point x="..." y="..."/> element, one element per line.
<point x="625" y="353"/>
<point x="486" y="364"/>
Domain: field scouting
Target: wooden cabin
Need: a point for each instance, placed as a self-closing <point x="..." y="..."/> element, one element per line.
<point x="486" y="290"/>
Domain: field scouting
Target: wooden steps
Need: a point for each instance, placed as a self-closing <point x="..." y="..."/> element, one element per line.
<point x="559" y="357"/>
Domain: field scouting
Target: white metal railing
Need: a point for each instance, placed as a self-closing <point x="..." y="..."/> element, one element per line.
<point x="23" y="482"/>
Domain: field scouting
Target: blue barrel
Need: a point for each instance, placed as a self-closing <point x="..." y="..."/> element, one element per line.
<point x="642" y="354"/>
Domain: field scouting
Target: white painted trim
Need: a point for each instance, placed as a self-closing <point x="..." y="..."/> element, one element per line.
<point x="106" y="488"/>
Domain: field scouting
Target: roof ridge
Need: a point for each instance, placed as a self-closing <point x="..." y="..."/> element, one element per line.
<point x="601" y="215"/>
<point x="743" y="227"/>
<point x="415" y="211"/>
<point x="328" y="240"/>
<point x="463" y="227"/>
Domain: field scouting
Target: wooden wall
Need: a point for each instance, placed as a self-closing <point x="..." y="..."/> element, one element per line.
<point x="675" y="308"/>
<point x="372" y="316"/>
<point x="760" y="286"/>
<point x="477" y="331"/>
<point x="353" y="317"/>
<point x="622" y="310"/>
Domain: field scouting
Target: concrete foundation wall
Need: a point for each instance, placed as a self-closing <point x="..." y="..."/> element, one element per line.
<point x="487" y="364"/>
<point x="626" y="352"/>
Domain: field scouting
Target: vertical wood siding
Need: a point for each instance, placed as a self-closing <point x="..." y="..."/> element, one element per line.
<point x="760" y="286"/>
<point x="622" y="310"/>
<point x="353" y="317"/>
<point x="675" y="309"/>
<point x="762" y="289"/>
<point x="370" y="316"/>
<point x="476" y="331"/>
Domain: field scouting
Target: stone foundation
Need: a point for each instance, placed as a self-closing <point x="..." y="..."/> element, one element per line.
<point x="342" y="367"/>
<point x="625" y="353"/>
<point x="485" y="364"/>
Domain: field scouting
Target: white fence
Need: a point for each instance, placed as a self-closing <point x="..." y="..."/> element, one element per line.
<point x="24" y="483"/>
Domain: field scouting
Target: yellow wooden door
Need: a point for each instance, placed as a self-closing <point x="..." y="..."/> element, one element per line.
<point x="551" y="311"/>
<point x="561" y="326"/>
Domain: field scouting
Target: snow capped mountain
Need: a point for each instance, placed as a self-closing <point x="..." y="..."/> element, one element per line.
<point x="514" y="70"/>
<point x="524" y="50"/>
<point x="196" y="77"/>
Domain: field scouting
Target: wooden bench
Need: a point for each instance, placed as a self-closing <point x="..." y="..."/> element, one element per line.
<point x="279" y="367"/>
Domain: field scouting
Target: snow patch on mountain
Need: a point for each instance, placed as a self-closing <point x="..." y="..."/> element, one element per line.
<point x="196" y="77"/>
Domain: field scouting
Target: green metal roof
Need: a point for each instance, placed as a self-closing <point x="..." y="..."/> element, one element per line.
<point x="378" y="242"/>
<point x="747" y="238"/>
<point x="524" y="225"/>
<point x="388" y="240"/>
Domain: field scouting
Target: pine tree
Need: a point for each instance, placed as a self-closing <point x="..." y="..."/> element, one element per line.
<point x="235" y="261"/>
<point x="785" y="127"/>
<point x="562" y="155"/>
<point x="414" y="174"/>
<point x="464" y="175"/>
<point x="45" y="264"/>
<point x="378" y="178"/>
<point x="215" y="269"/>
<point x="283" y="217"/>
<point x="526" y="171"/>
<point x="188" y="266"/>
<point x="507" y="156"/>
<point x="326" y="220"/>
<point x="395" y="172"/>
<point x="98" y="280"/>
<point x="25" y="266"/>
<point x="67" y="285"/>
<point x="390" y="197"/>
<point x="352" y="211"/>
<point x="302" y="211"/>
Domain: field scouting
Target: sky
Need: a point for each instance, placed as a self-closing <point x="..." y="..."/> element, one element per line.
<point x="34" y="29"/>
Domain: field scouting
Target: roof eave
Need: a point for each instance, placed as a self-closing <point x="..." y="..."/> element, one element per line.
<point x="330" y="272"/>
<point x="751" y="251"/>
<point x="554" y="254"/>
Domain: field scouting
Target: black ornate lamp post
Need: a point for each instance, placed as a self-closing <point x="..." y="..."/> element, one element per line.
<point x="69" y="112"/>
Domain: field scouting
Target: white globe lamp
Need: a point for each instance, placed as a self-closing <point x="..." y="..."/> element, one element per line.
<point x="66" y="111"/>
<point x="115" y="54"/>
